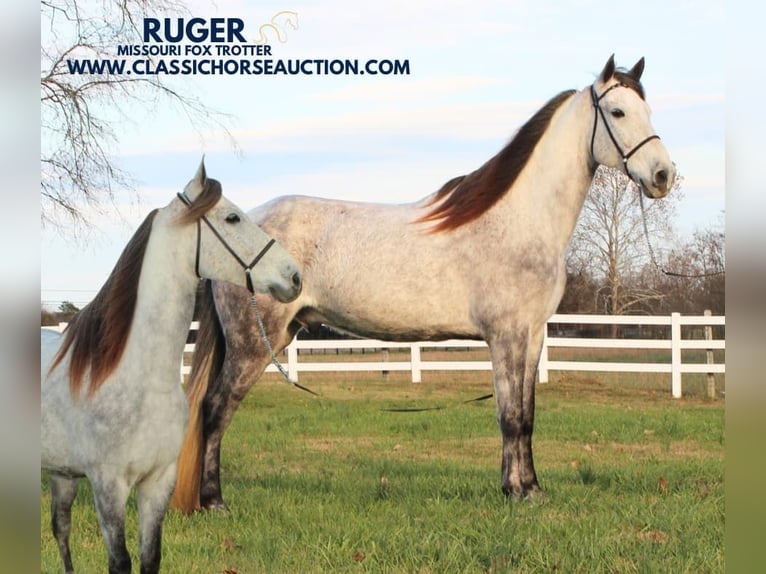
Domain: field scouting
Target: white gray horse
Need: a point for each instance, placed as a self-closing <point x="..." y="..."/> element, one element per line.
<point x="113" y="409"/>
<point x="482" y="258"/>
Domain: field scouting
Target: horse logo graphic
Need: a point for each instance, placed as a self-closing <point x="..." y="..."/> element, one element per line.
<point x="277" y="27"/>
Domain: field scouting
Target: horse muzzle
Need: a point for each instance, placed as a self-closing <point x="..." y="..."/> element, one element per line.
<point x="662" y="180"/>
<point x="291" y="290"/>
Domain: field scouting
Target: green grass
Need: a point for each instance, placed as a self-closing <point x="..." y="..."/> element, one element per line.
<point x="633" y="481"/>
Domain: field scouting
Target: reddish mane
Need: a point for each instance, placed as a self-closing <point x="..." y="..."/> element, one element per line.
<point x="466" y="197"/>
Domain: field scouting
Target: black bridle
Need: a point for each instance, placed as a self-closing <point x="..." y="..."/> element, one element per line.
<point x="625" y="157"/>
<point x="247" y="268"/>
<point x="598" y="111"/>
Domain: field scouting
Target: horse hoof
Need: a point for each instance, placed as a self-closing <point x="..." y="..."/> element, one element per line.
<point x="535" y="494"/>
<point x="216" y="507"/>
<point x="530" y="493"/>
<point x="514" y="493"/>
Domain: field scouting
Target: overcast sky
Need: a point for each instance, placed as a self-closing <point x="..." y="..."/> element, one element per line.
<point x="477" y="71"/>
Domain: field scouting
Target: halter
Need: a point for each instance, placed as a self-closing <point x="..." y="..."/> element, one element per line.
<point x="250" y="287"/>
<point x="245" y="266"/>
<point x="599" y="111"/>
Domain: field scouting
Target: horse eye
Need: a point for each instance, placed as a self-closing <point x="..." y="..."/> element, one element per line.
<point x="618" y="113"/>
<point x="233" y="218"/>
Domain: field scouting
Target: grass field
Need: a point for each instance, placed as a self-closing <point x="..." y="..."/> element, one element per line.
<point x="634" y="482"/>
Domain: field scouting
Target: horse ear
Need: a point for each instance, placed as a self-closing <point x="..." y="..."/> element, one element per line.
<point x="608" y="70"/>
<point x="637" y="70"/>
<point x="196" y="185"/>
<point x="201" y="176"/>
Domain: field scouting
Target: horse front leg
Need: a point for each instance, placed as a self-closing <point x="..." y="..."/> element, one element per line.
<point x="215" y="404"/>
<point x="246" y="360"/>
<point x="111" y="496"/>
<point x="153" y="497"/>
<point x="63" y="493"/>
<point x="513" y="366"/>
<point x="529" y="481"/>
<point x="237" y="377"/>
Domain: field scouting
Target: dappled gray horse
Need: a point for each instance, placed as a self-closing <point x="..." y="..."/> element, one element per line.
<point x="482" y="258"/>
<point x="112" y="407"/>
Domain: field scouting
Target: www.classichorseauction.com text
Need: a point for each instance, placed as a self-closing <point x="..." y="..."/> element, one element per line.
<point x="220" y="46"/>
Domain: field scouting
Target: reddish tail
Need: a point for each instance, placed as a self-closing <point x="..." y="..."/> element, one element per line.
<point x="207" y="360"/>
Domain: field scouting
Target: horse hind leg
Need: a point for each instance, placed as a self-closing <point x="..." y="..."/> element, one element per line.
<point x="63" y="493"/>
<point x="153" y="497"/>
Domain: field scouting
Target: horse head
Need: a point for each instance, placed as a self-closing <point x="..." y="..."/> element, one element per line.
<point x="231" y="247"/>
<point x="622" y="135"/>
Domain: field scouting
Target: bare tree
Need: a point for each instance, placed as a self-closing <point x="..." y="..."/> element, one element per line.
<point x="79" y="112"/>
<point x="609" y="243"/>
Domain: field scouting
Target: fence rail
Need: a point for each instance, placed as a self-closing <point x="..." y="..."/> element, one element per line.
<point x="416" y="365"/>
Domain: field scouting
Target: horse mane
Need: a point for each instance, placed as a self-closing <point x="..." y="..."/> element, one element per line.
<point x="97" y="335"/>
<point x="466" y="197"/>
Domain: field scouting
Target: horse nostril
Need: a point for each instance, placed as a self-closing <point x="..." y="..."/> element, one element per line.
<point x="661" y="178"/>
<point x="297" y="280"/>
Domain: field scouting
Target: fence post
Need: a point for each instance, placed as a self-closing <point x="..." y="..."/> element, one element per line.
<point x="292" y="359"/>
<point x="675" y="354"/>
<point x="415" y="362"/>
<point x="709" y="352"/>
<point x="385" y="360"/>
<point x="542" y="365"/>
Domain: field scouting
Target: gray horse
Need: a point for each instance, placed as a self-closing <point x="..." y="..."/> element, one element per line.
<point x="112" y="408"/>
<point x="486" y="262"/>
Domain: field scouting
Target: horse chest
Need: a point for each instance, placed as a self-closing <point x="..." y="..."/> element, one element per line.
<point x="145" y="436"/>
<point x="164" y="419"/>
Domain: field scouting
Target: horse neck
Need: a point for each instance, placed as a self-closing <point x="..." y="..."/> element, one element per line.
<point x="551" y="190"/>
<point x="165" y="299"/>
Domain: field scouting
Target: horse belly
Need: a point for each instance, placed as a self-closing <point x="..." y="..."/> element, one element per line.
<point x="401" y="316"/>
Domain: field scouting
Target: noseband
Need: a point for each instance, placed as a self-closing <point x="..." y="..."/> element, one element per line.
<point x="600" y="112"/>
<point x="245" y="266"/>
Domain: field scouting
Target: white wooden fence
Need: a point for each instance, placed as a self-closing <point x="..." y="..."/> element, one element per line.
<point x="676" y="344"/>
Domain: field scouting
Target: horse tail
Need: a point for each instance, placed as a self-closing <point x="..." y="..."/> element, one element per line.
<point x="207" y="361"/>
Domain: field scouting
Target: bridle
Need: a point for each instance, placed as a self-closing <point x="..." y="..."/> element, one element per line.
<point x="247" y="268"/>
<point x="598" y="111"/>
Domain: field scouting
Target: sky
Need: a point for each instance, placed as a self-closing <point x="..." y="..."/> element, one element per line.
<point x="478" y="70"/>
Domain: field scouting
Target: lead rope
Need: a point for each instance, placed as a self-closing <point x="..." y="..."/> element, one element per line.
<point x="646" y="231"/>
<point x="651" y="250"/>
<point x="289" y="380"/>
<point x="270" y="349"/>
<point x="439" y="408"/>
